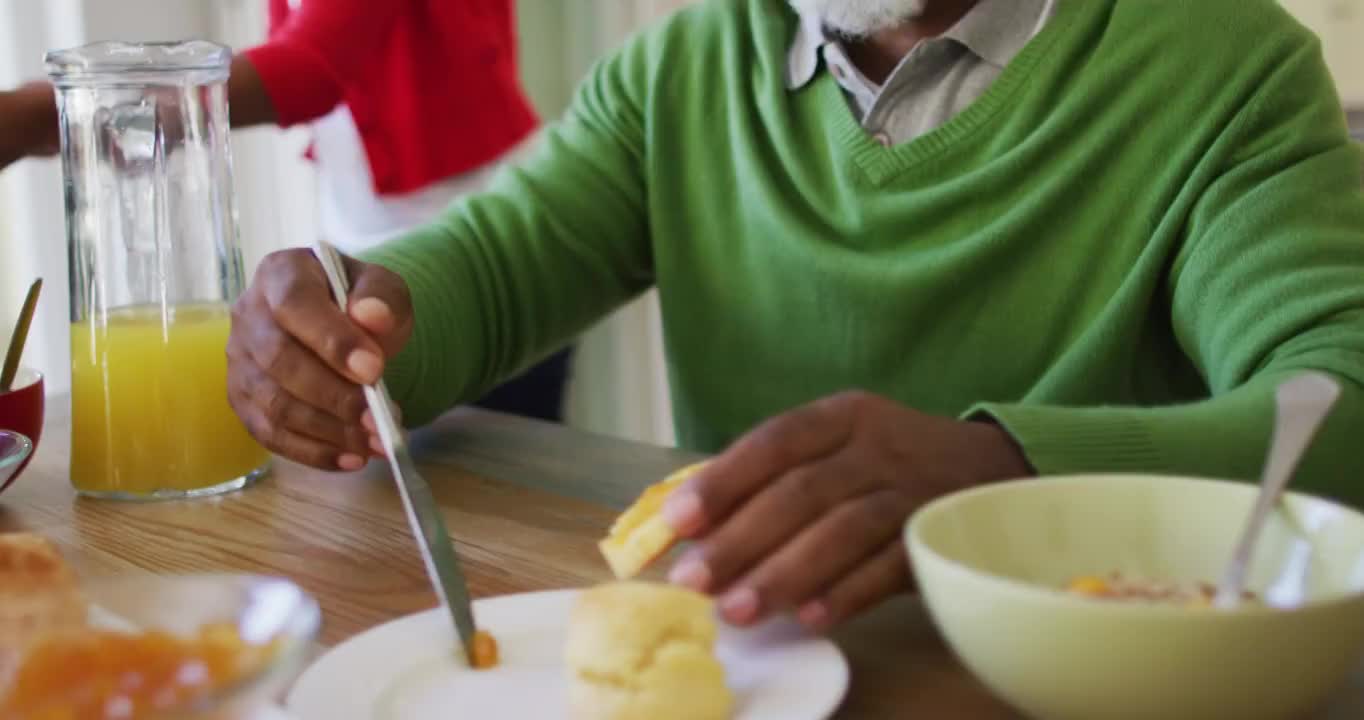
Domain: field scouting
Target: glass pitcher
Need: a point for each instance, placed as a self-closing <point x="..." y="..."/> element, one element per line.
<point x="152" y="234"/>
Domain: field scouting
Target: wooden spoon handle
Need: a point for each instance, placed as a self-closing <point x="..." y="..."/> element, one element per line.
<point x="16" y="342"/>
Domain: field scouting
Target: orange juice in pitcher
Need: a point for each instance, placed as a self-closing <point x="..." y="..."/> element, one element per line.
<point x="151" y="230"/>
<point x="149" y="411"/>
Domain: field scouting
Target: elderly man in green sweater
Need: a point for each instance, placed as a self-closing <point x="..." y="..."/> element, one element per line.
<point x="903" y="247"/>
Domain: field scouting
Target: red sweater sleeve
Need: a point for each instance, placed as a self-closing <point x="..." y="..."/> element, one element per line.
<point x="313" y="50"/>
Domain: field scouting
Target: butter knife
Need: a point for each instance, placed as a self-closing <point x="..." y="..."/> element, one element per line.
<point x="442" y="564"/>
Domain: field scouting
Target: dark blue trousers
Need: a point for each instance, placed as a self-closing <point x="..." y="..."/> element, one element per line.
<point x="536" y="393"/>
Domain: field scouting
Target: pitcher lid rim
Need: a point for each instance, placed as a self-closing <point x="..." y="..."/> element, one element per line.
<point x="113" y="57"/>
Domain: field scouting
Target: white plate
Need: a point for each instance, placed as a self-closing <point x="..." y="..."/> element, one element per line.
<point x="407" y="669"/>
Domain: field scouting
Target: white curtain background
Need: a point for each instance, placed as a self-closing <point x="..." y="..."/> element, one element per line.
<point x="619" y="385"/>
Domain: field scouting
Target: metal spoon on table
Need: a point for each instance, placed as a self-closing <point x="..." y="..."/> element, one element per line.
<point x="1301" y="405"/>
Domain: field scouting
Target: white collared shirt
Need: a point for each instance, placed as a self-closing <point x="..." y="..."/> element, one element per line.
<point x="936" y="80"/>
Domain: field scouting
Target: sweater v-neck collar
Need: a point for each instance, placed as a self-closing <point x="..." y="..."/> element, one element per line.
<point x="881" y="163"/>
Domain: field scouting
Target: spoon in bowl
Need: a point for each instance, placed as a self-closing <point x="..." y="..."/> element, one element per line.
<point x="1300" y="407"/>
<point x="16" y="341"/>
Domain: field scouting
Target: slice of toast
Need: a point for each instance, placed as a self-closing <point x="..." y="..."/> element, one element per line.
<point x="640" y="536"/>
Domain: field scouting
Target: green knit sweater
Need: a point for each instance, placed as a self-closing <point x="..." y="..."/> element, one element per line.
<point x="1153" y="217"/>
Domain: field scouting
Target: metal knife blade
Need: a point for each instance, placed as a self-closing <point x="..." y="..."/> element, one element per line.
<point x="442" y="564"/>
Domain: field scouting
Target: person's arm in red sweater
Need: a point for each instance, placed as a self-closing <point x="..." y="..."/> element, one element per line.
<point x="296" y="76"/>
<point x="28" y="114"/>
<point x="301" y="72"/>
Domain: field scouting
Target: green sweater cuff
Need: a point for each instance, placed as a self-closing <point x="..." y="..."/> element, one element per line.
<point x="1225" y="437"/>
<point x="426" y="378"/>
<point x="1059" y="440"/>
<point x="404" y="372"/>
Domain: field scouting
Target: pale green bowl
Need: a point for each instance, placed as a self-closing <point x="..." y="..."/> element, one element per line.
<point x="990" y="563"/>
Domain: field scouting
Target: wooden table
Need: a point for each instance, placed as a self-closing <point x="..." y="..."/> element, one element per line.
<point x="526" y="501"/>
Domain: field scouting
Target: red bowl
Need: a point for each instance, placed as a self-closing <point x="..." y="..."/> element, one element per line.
<point x="21" y="410"/>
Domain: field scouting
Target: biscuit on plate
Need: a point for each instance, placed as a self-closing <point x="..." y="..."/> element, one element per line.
<point x="644" y="651"/>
